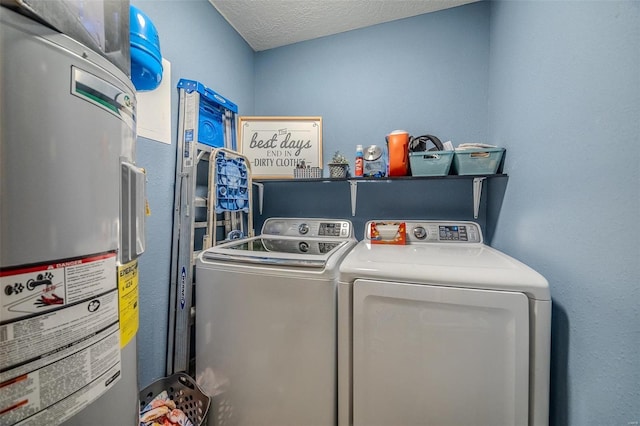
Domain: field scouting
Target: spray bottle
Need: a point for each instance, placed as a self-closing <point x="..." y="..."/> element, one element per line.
<point x="359" y="166"/>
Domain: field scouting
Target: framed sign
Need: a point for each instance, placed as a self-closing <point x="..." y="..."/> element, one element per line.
<point x="275" y="146"/>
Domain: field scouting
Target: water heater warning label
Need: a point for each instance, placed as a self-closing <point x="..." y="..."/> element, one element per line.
<point x="46" y="287"/>
<point x="59" y="338"/>
<point x="129" y="310"/>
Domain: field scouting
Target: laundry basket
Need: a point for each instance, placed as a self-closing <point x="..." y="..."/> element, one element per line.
<point x="184" y="391"/>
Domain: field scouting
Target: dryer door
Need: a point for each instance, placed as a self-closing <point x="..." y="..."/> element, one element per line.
<point x="427" y="354"/>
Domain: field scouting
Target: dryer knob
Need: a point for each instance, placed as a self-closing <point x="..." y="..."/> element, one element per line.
<point x="304" y="247"/>
<point x="420" y="233"/>
<point x="303" y="228"/>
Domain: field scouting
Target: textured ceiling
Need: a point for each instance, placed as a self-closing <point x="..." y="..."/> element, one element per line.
<point x="266" y="24"/>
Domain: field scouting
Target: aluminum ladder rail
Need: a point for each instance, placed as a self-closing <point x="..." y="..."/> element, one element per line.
<point x="188" y="206"/>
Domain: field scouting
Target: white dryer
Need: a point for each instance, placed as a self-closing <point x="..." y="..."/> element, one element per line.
<point x="444" y="331"/>
<point x="266" y="323"/>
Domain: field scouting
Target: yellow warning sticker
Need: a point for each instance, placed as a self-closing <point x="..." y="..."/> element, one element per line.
<point x="128" y="297"/>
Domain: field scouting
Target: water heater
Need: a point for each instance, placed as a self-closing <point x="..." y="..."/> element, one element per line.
<point x="71" y="229"/>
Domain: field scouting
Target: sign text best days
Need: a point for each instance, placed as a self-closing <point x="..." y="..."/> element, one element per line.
<point x="275" y="146"/>
<point x="284" y="153"/>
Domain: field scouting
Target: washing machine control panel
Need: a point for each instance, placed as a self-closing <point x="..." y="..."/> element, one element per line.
<point x="306" y="227"/>
<point x="449" y="232"/>
<point x="332" y="229"/>
<point x="436" y="231"/>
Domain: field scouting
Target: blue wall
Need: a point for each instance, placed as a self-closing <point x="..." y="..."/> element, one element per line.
<point x="426" y="74"/>
<point x="201" y="46"/>
<point x="557" y="83"/>
<point x="564" y="98"/>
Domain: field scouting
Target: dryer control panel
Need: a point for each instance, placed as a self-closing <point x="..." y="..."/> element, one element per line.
<point x="309" y="227"/>
<point x="430" y="231"/>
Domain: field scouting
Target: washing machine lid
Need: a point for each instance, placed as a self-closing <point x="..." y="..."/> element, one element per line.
<point x="280" y="251"/>
<point x="466" y="265"/>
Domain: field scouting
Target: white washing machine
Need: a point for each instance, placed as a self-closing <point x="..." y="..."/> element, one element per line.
<point x="443" y="331"/>
<point x="266" y="320"/>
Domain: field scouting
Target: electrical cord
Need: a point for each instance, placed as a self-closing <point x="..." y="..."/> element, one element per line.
<point x="420" y="143"/>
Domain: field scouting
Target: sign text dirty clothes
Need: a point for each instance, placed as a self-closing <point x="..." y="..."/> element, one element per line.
<point x="275" y="146"/>
<point x="289" y="152"/>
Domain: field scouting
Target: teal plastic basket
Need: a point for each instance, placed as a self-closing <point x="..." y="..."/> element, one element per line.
<point x="483" y="161"/>
<point x="430" y="163"/>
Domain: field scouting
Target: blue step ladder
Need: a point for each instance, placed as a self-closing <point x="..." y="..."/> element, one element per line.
<point x="212" y="203"/>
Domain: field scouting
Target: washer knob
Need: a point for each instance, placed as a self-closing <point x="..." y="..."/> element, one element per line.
<point x="420" y="233"/>
<point x="303" y="228"/>
<point x="304" y="247"/>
